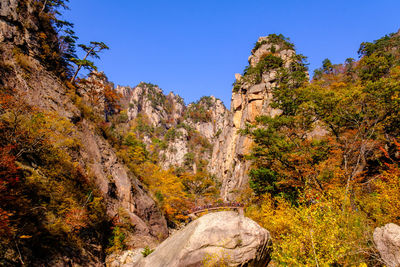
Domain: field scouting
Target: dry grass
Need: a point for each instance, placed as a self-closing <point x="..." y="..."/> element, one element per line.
<point x="24" y="61"/>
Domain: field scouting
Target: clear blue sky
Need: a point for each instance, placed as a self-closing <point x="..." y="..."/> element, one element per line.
<point x="194" y="47"/>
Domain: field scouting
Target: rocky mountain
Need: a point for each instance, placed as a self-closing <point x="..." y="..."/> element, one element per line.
<point x="89" y="169"/>
<point x="220" y="128"/>
<point x="183" y="127"/>
<point x="251" y="97"/>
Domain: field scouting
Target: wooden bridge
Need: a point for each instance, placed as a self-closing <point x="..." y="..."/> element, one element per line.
<point x="193" y="213"/>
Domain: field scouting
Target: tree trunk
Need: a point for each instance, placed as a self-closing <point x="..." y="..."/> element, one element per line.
<point x="80" y="66"/>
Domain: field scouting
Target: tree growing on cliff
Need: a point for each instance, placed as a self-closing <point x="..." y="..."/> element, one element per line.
<point x="92" y="51"/>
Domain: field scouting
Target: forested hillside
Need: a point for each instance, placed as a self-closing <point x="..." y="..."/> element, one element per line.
<point x="325" y="172"/>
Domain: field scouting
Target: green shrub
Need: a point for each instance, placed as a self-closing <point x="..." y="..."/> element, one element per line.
<point x="172" y="134"/>
<point x="267" y="63"/>
<point x="116" y="241"/>
<point x="159" y="196"/>
<point x="147" y="251"/>
<point x="189" y="159"/>
<point x="236" y="86"/>
<point x="276" y="39"/>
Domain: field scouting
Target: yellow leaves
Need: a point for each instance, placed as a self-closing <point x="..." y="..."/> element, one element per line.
<point x="220" y="259"/>
<point x="200" y="186"/>
<point x="384" y="203"/>
<point x="395" y="72"/>
<point x="322" y="230"/>
<point x="42" y="35"/>
<point x="167" y="188"/>
<point x="336" y="85"/>
<point x="25" y="236"/>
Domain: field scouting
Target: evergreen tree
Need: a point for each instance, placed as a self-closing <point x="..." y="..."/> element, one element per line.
<point x="93" y="51"/>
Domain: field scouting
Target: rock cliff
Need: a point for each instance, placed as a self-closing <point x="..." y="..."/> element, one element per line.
<point x="223" y="147"/>
<point x="21" y="30"/>
<point x="251" y="97"/>
<point x="188" y="131"/>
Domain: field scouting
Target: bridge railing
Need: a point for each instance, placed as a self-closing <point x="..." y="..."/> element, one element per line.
<point x="217" y="205"/>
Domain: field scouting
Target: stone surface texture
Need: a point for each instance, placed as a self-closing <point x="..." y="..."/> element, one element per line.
<point x="216" y="238"/>
<point x="387" y="241"/>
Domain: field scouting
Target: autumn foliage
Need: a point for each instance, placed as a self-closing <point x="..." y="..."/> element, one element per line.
<point x="325" y="172"/>
<point x="47" y="201"/>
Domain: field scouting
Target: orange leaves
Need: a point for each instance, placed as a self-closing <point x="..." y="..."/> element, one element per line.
<point x="8" y="168"/>
<point x="77" y="218"/>
<point x="384" y="152"/>
<point x="9" y="176"/>
<point x="111" y="97"/>
<point x="5" y="228"/>
<point x="397" y="144"/>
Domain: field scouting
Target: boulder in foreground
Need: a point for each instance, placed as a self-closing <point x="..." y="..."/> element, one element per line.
<point x="220" y="238"/>
<point x="387" y="240"/>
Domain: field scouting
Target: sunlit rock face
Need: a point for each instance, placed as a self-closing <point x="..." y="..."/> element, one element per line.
<point x="174" y="122"/>
<point x="225" y="153"/>
<point x="251" y="97"/>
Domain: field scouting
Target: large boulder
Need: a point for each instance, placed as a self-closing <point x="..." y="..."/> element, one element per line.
<point x="212" y="240"/>
<point x="387" y="240"/>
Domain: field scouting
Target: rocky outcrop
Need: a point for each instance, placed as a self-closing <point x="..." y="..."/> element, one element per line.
<point x="125" y="258"/>
<point x="12" y="14"/>
<point x="121" y="189"/>
<point x="387" y="241"/>
<point x="170" y="120"/>
<point x="214" y="120"/>
<point x="212" y="240"/>
<point x="251" y="97"/>
<point x="149" y="100"/>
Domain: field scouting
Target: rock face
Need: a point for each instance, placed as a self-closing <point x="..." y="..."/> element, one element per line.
<point x="43" y="89"/>
<point x="126" y="258"/>
<point x="167" y="118"/>
<point x="250" y="98"/>
<point x="387" y="240"/>
<point x="148" y="99"/>
<point x="224" y="148"/>
<point x="216" y="238"/>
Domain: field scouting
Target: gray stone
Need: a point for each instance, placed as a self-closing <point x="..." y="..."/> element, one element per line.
<point x="125" y="258"/>
<point x="258" y="88"/>
<point x="387" y="241"/>
<point x="212" y="239"/>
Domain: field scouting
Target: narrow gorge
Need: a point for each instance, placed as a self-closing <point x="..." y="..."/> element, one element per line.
<point x="301" y="170"/>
